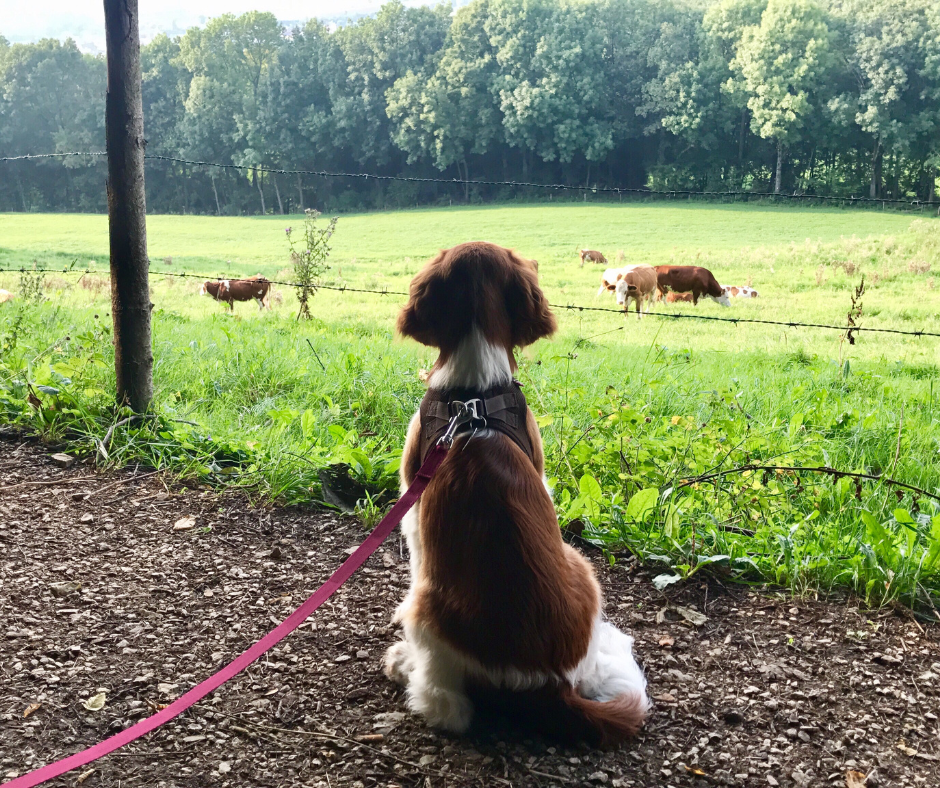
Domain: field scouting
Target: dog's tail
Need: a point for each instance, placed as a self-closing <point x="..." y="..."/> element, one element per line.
<point x="609" y="722"/>
<point x="559" y="712"/>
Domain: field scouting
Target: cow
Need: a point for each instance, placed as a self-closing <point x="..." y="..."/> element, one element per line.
<point x="231" y="290"/>
<point x="639" y="283"/>
<point x="591" y="256"/>
<point x="673" y="298"/>
<point x="610" y="277"/>
<point x="739" y="292"/>
<point x="6" y="295"/>
<point x="690" y="279"/>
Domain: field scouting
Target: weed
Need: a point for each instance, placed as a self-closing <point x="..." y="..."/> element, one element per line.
<point x="309" y="257"/>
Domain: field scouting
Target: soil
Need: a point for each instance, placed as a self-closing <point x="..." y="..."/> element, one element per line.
<point x="763" y="690"/>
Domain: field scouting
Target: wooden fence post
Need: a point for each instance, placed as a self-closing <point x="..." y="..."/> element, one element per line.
<point x="127" y="211"/>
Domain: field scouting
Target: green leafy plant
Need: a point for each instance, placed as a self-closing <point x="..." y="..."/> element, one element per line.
<point x="308" y="256"/>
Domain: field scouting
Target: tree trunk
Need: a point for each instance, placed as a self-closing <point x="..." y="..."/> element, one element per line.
<point x="876" y="159"/>
<point x="741" y="131"/>
<point x="778" y="177"/>
<point x="127" y="210"/>
<point x="466" y="182"/>
<point x="931" y="183"/>
<point x="215" y="192"/>
<point x="277" y="193"/>
<point x="21" y="190"/>
<point x="808" y="176"/>
<point x="300" y="192"/>
<point x="258" y="176"/>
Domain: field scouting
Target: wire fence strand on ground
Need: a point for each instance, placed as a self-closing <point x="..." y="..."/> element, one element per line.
<point x="618" y="190"/>
<point x="569" y="307"/>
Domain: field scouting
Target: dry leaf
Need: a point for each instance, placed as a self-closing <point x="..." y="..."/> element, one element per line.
<point x="690" y="615"/>
<point x="84" y="776"/>
<point x="854" y="779"/>
<point x="692" y="770"/>
<point x="909" y="751"/>
<point x="666" y="697"/>
<point x="666" y="641"/>
<point x="31" y="708"/>
<point x="96" y="702"/>
<point x="184" y="524"/>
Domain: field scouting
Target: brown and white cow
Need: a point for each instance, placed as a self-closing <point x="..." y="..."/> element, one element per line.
<point x="591" y="256"/>
<point x="610" y="277"/>
<point x="231" y="290"/>
<point x="690" y="279"/>
<point x="673" y="298"/>
<point x="733" y="291"/>
<point x="639" y="284"/>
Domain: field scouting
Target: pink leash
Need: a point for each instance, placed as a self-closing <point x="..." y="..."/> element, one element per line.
<point x="433" y="461"/>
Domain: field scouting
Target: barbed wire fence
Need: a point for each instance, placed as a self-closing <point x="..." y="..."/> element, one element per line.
<point x="568" y="307"/>
<point x="620" y="191"/>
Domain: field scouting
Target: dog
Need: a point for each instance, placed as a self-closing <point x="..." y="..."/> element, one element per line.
<point x="500" y="610"/>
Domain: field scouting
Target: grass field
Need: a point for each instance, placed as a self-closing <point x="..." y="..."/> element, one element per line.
<point x="629" y="408"/>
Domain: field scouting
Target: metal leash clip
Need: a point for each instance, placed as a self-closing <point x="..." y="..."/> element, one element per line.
<point x="463" y="413"/>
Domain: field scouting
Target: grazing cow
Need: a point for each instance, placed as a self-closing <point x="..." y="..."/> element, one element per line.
<point x="739" y="292"/>
<point x="6" y="295"/>
<point x="690" y="279"/>
<point x="639" y="283"/>
<point x="231" y="290"/>
<point x="591" y="256"/>
<point x="610" y="277"/>
<point x="672" y="298"/>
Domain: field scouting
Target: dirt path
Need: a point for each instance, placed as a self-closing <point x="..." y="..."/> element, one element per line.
<point x="765" y="692"/>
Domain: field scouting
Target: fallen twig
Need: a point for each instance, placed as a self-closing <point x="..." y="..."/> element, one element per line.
<point x="548" y="776"/>
<point x="120" y="482"/>
<point x="834" y="472"/>
<point x="47" y="483"/>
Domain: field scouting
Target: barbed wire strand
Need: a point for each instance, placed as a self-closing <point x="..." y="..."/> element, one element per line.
<point x="619" y="190"/>
<point x="569" y="307"/>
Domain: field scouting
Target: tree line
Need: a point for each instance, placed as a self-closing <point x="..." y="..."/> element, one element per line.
<point x="837" y="98"/>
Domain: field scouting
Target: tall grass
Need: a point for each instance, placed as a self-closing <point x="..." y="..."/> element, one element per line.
<point x="628" y="409"/>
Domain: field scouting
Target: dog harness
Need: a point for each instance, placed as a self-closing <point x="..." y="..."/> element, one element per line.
<point x="501" y="408"/>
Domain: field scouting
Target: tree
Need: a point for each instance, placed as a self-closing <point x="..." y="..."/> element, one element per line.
<point x="230" y="59"/>
<point x="783" y="65"/>
<point x="894" y="52"/>
<point x="447" y="111"/>
<point x="377" y="52"/>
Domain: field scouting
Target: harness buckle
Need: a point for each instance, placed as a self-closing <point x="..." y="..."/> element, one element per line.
<point x="463" y="413"/>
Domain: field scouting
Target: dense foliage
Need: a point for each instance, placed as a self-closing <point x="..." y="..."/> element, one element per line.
<point x="837" y="97"/>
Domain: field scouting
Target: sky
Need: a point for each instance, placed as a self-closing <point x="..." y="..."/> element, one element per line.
<point x="83" y="20"/>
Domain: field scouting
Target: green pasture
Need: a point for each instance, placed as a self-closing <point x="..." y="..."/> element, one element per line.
<point x="629" y="408"/>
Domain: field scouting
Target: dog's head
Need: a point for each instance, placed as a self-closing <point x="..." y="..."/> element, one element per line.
<point x="477" y="285"/>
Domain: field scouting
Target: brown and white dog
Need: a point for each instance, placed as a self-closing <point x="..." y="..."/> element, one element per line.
<point x="500" y="608"/>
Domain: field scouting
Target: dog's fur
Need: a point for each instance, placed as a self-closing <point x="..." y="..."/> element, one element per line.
<point x="500" y="608"/>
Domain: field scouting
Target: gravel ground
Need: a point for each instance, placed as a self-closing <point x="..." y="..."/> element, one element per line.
<point x="118" y="583"/>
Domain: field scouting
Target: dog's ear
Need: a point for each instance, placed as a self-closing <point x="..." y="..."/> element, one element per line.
<point x="439" y="308"/>
<point x="529" y="314"/>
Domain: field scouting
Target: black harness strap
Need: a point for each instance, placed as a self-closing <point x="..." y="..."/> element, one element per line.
<point x="501" y="408"/>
